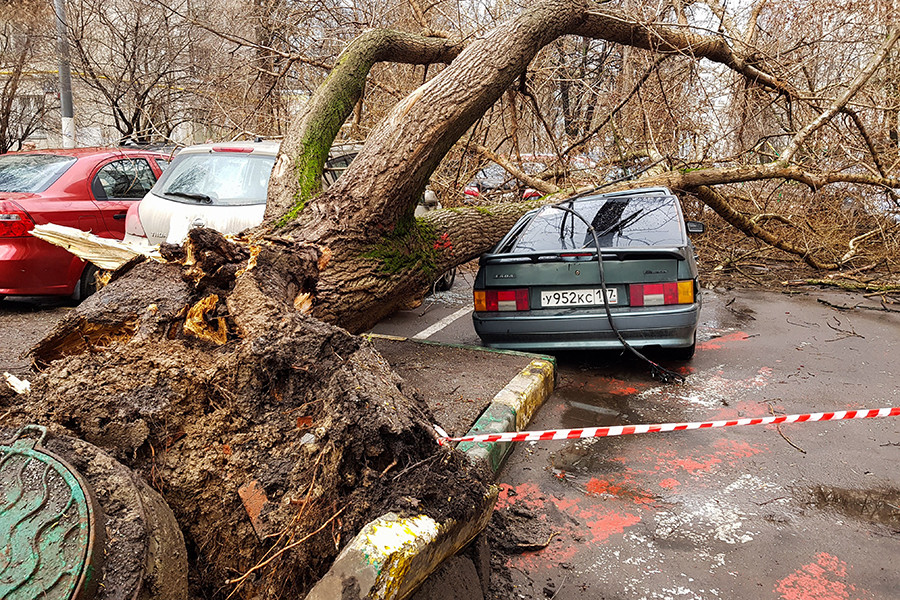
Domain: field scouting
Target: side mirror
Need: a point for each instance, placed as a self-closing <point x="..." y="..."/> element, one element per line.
<point x="695" y="226"/>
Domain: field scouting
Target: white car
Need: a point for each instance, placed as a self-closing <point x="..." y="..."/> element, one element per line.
<point x="220" y="186"/>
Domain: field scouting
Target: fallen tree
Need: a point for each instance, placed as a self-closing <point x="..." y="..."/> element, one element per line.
<point x="230" y="369"/>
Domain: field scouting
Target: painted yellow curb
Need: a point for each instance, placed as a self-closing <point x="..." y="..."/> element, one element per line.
<point x="393" y="555"/>
<point x="527" y="391"/>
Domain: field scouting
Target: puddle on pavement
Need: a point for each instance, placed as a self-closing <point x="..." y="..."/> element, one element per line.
<point x="874" y="506"/>
<point x="722" y="314"/>
<point x="582" y="457"/>
<point x="592" y="409"/>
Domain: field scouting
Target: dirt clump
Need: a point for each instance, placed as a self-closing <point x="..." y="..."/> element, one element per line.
<point x="273" y="436"/>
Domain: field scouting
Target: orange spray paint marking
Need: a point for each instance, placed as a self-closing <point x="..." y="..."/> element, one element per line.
<point x="613" y="386"/>
<point x="717" y="343"/>
<point x="602" y="487"/>
<point x="526" y="494"/>
<point x="724" y="452"/>
<point x="817" y="581"/>
<point x="609" y="524"/>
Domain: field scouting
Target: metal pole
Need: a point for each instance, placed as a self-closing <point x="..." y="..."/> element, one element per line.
<point x="65" y="76"/>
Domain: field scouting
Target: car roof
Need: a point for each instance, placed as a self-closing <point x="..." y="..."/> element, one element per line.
<point x="264" y="147"/>
<point x="91" y="152"/>
<point x="644" y="191"/>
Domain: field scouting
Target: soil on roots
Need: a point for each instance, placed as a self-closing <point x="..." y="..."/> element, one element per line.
<point x="273" y="436"/>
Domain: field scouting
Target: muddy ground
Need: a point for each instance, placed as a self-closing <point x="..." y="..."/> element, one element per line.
<point x="22" y="323"/>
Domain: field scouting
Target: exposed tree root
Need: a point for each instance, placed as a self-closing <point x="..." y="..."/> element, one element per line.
<point x="305" y="414"/>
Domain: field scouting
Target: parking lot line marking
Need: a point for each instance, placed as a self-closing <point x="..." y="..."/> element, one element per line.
<point x="427" y="333"/>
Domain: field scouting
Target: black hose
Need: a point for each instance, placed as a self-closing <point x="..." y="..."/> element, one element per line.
<point x="656" y="370"/>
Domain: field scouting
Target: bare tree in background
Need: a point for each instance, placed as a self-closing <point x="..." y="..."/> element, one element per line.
<point x="24" y="45"/>
<point x="136" y="55"/>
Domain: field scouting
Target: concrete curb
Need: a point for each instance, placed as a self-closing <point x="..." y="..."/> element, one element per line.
<point x="393" y="555"/>
<point x="511" y="410"/>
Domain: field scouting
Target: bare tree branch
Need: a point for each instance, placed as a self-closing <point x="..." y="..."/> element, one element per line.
<point x="538" y="184"/>
<point x="861" y="78"/>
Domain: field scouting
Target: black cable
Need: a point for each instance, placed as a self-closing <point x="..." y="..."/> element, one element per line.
<point x="656" y="370"/>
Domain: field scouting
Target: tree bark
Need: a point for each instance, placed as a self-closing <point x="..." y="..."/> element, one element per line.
<point x="297" y="175"/>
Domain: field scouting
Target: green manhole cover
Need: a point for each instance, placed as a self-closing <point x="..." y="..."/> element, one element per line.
<point x="50" y="543"/>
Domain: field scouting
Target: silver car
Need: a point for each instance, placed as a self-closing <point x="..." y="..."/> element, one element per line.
<point x="541" y="288"/>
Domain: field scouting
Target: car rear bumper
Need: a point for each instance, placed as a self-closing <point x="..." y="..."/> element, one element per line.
<point x="672" y="326"/>
<point x="32" y="267"/>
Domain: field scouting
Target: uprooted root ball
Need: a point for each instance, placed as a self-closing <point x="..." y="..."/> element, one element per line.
<point x="260" y="426"/>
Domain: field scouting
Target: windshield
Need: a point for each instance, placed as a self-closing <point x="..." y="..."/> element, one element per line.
<point x="218" y="178"/>
<point x="31" y="172"/>
<point x="619" y="223"/>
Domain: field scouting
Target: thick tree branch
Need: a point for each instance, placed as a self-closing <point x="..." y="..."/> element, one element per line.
<point x="297" y="174"/>
<point x="538" y="184"/>
<point x="721" y="175"/>
<point x="721" y="206"/>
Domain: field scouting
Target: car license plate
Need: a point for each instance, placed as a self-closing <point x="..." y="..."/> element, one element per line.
<point x="578" y="297"/>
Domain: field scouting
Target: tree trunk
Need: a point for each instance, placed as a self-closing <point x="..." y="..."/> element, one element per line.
<point x="379" y="255"/>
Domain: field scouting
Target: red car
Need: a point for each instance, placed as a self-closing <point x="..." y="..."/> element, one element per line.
<point x="86" y="188"/>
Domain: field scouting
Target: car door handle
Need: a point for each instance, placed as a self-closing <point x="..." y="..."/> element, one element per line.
<point x="119" y="216"/>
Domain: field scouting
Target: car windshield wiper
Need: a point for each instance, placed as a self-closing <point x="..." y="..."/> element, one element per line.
<point x="191" y="195"/>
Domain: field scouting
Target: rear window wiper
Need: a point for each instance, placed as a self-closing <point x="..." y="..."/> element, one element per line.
<point x="191" y="195"/>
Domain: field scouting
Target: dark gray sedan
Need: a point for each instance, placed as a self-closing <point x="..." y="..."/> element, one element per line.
<point x="541" y="288"/>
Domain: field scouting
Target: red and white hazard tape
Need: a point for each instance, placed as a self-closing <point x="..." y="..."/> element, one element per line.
<point x="592" y="432"/>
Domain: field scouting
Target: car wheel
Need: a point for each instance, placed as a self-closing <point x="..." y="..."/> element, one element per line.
<point x="686" y="353"/>
<point x="87" y="283"/>
<point x="445" y="281"/>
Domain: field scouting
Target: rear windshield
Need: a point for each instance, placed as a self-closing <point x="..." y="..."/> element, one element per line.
<point x="619" y="223"/>
<point x="227" y="178"/>
<point x="31" y="172"/>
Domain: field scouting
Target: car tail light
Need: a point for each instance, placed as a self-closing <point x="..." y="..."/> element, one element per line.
<point x="501" y="300"/>
<point x="658" y="294"/>
<point x="242" y="149"/>
<point x="14" y="221"/>
<point x="133" y="224"/>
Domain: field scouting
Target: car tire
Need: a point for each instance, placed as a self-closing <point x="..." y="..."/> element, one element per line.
<point x="87" y="283"/>
<point x="686" y="353"/>
<point x="445" y="281"/>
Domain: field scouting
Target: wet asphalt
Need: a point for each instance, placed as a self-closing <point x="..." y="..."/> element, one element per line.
<point x="797" y="512"/>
